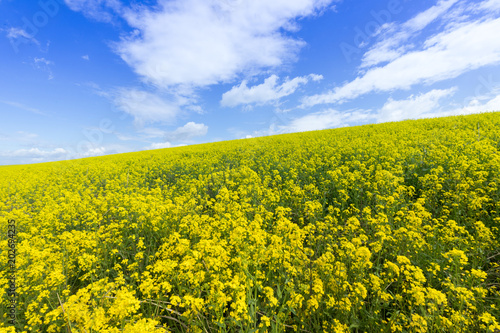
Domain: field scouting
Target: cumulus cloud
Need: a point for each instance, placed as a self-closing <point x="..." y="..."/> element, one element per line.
<point x="187" y="132"/>
<point x="159" y="145"/>
<point x="94" y="151"/>
<point x="266" y="92"/>
<point x="197" y="43"/>
<point x="178" y="46"/>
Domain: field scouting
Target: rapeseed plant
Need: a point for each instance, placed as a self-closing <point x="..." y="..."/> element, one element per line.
<point x="379" y="228"/>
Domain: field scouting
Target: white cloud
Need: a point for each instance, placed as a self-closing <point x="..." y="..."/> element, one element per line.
<point x="187" y="132"/>
<point x="43" y="61"/>
<point x="196" y="43"/>
<point x="37" y="153"/>
<point x="23" y="107"/>
<point x="160" y="145"/>
<point x="413" y="107"/>
<point x="329" y="118"/>
<point x="46" y="154"/>
<point x="145" y="107"/>
<point x="44" y="65"/>
<point x="94" y="151"/>
<point x="85" y="57"/>
<point x="316" y="121"/>
<point x="444" y="56"/>
<point x="428" y="106"/>
<point x="492" y="5"/>
<point x="474" y="106"/>
<point x="433" y="103"/>
<point x="390" y="48"/>
<point x="184" y="133"/>
<point x="18" y="36"/>
<point x="152" y="132"/>
<point x="17" y="32"/>
<point x="101" y="10"/>
<point x="89" y="150"/>
<point x="426" y="17"/>
<point x="266" y="92"/>
<point x="181" y="45"/>
<point x="315" y="77"/>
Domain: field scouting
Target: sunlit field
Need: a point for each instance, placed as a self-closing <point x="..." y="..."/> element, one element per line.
<point x="377" y="228"/>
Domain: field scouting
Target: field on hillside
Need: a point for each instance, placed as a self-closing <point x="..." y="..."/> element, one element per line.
<point x="378" y="228"/>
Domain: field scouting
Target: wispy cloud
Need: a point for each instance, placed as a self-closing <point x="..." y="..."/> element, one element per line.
<point x="431" y="104"/>
<point x="15" y="33"/>
<point x="18" y="36"/>
<point x="414" y="107"/>
<point x="37" y="153"/>
<point x="18" y="32"/>
<point x="44" y="65"/>
<point x="45" y="153"/>
<point x="20" y="137"/>
<point x="184" y="134"/>
<point x="100" y="10"/>
<point x="461" y="47"/>
<point x="43" y="61"/>
<point x="434" y="103"/>
<point x="23" y="107"/>
<point x="394" y="40"/>
<point x="152" y="132"/>
<point x="146" y="107"/>
<point x="269" y="91"/>
<point x="491" y="5"/>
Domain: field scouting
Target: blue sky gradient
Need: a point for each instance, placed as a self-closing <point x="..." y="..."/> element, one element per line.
<point x="84" y="78"/>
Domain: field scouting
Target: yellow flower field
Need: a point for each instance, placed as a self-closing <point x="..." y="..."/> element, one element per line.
<point x="377" y="228"/>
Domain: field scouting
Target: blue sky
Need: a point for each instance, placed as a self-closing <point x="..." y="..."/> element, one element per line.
<point x="82" y="78"/>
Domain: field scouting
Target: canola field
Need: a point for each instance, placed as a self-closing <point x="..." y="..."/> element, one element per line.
<point x="378" y="228"/>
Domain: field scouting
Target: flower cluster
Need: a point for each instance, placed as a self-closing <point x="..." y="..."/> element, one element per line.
<point x="379" y="228"/>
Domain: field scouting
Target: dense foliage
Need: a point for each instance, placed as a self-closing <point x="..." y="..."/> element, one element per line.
<point x="378" y="228"/>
